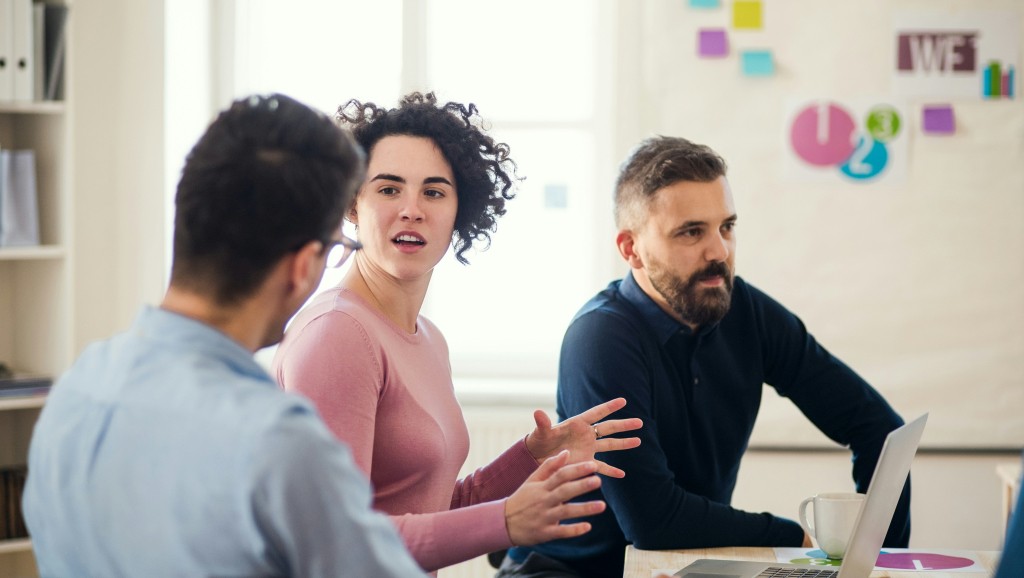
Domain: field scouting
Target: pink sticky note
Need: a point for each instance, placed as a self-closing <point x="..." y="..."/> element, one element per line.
<point x="712" y="42"/>
<point x="939" y="119"/>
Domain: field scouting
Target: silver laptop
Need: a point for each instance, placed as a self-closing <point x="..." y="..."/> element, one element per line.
<point x="868" y="533"/>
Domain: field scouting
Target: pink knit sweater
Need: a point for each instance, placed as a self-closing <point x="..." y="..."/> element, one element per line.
<point x="389" y="396"/>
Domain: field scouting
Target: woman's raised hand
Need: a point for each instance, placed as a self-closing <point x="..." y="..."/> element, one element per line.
<point x="533" y="512"/>
<point x="584" y="435"/>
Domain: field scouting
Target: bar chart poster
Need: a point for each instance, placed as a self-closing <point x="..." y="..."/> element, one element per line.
<point x="956" y="55"/>
<point x="860" y="141"/>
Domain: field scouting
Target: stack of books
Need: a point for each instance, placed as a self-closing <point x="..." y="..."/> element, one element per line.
<point x="12" y="484"/>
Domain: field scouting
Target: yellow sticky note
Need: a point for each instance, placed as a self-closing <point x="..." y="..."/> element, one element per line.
<point x="746" y="14"/>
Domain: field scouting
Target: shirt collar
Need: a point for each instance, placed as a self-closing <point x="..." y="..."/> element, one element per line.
<point x="663" y="324"/>
<point x="175" y="329"/>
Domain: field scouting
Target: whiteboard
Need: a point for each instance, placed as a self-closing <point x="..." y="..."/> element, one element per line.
<point x="917" y="283"/>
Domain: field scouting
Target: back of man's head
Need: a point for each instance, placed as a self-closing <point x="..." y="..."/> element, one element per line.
<point x="656" y="163"/>
<point x="269" y="175"/>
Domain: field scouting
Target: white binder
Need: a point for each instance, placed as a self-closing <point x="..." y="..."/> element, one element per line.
<point x="6" y="50"/>
<point x="19" y="210"/>
<point x="23" y="58"/>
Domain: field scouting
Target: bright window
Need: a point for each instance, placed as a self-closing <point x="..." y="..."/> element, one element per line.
<point x="524" y="61"/>
<point x="321" y="52"/>
<point x="532" y="67"/>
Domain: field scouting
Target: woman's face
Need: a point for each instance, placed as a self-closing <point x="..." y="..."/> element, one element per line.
<point x="406" y="208"/>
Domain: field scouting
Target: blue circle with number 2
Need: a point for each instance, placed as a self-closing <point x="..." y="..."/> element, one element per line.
<point x="867" y="160"/>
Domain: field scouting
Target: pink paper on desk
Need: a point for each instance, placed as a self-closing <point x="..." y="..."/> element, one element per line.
<point x="902" y="559"/>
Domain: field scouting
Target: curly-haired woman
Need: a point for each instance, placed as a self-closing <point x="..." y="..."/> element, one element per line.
<point x="379" y="373"/>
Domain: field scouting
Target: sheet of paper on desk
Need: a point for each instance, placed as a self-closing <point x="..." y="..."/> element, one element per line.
<point x="904" y="559"/>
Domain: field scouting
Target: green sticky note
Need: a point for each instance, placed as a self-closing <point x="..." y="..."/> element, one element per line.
<point x="704" y="3"/>
<point x="757" y="63"/>
<point x="746" y="14"/>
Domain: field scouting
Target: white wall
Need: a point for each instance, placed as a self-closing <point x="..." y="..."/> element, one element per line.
<point x="916" y="282"/>
<point x="117" y="89"/>
<point x="956" y="500"/>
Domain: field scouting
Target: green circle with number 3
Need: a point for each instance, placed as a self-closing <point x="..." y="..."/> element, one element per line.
<point x="883" y="123"/>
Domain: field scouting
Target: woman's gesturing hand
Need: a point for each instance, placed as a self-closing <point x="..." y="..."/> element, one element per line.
<point x="533" y="512"/>
<point x="584" y="435"/>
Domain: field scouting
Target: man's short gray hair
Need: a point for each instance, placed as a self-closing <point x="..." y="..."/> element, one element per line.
<point x="656" y="163"/>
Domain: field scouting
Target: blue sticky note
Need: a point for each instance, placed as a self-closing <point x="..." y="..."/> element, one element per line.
<point x="704" y="3"/>
<point x="757" y="63"/>
<point x="556" y="196"/>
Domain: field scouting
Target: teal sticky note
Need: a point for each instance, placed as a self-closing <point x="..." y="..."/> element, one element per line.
<point x="704" y="3"/>
<point x="757" y="63"/>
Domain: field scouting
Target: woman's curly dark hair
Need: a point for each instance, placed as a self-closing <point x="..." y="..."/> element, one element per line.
<point x="484" y="173"/>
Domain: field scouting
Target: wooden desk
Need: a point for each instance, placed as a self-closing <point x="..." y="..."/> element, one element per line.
<point x="640" y="563"/>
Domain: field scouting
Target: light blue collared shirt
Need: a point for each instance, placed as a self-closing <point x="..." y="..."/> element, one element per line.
<point x="167" y="451"/>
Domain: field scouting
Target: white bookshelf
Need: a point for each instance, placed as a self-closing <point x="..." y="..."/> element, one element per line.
<point x="35" y="282"/>
<point x="24" y="402"/>
<point x="36" y="332"/>
<point x="16" y="558"/>
<point x="34" y="107"/>
<point x="31" y="253"/>
<point x="13" y="546"/>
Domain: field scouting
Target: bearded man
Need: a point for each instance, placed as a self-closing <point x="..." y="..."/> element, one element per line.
<point x="689" y="345"/>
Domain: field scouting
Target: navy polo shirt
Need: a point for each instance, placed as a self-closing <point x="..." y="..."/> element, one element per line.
<point x="698" y="393"/>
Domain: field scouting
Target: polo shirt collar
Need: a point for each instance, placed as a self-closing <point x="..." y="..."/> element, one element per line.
<point x="663" y="324"/>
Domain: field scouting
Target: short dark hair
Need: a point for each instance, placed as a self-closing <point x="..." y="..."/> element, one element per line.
<point x="484" y="173"/>
<point x="268" y="176"/>
<point x="656" y="163"/>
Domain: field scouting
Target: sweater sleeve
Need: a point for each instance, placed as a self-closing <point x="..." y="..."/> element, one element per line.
<point x="832" y="396"/>
<point x="498" y="479"/>
<point x="330" y="360"/>
<point x="441" y="539"/>
<point x="603" y="357"/>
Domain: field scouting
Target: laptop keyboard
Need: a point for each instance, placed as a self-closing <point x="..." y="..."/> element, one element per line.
<point x="797" y="573"/>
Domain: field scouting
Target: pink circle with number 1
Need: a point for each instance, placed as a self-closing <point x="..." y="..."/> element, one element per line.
<point x="823" y="134"/>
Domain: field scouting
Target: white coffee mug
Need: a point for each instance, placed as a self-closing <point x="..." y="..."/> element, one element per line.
<point x="835" y="515"/>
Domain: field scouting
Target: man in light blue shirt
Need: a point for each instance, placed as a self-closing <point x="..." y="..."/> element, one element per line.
<point x="166" y="450"/>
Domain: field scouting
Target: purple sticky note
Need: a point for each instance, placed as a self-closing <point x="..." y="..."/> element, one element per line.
<point x="938" y="119"/>
<point x="712" y="42"/>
